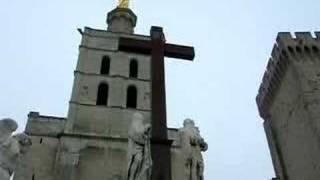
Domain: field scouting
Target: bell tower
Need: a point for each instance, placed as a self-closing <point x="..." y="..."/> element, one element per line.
<point x="109" y="85"/>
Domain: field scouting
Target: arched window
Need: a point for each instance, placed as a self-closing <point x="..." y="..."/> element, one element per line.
<point x="133" y="68"/>
<point x="102" y="97"/>
<point x="105" y="65"/>
<point x="132" y="97"/>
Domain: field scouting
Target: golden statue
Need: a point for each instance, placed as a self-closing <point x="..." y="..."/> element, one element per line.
<point x="123" y="4"/>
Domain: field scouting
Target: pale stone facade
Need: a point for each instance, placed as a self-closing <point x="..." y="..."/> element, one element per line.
<point x="289" y="103"/>
<point x="96" y="156"/>
<point x="92" y="142"/>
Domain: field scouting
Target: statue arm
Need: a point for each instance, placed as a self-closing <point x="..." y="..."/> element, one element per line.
<point x="137" y="138"/>
<point x="203" y="145"/>
<point x="181" y="138"/>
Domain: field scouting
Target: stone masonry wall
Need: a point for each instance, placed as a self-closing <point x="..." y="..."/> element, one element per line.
<point x="289" y="100"/>
<point x="111" y="120"/>
<point x="53" y="154"/>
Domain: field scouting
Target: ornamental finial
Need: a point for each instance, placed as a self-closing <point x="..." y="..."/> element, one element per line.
<point x="123" y="4"/>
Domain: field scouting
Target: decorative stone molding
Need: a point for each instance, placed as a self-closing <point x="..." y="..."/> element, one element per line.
<point x="286" y="50"/>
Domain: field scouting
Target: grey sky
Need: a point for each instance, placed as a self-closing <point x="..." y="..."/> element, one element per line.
<point x="233" y="41"/>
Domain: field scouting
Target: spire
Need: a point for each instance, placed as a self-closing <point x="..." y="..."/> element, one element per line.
<point x="122" y="19"/>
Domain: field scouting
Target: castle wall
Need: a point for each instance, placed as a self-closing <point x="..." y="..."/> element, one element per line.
<point x="289" y="102"/>
<point x="299" y="146"/>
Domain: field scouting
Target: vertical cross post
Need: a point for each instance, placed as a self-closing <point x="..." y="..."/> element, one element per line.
<point x="158" y="99"/>
<point x="158" y="49"/>
<point x="160" y="148"/>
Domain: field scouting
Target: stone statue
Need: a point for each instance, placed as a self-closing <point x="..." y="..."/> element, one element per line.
<point x="192" y="145"/>
<point x="140" y="162"/>
<point x="10" y="147"/>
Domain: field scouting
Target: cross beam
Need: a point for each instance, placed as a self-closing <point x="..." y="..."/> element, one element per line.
<point x="144" y="47"/>
<point x="158" y="49"/>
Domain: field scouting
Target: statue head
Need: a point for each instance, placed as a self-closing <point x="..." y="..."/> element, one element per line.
<point x="188" y="123"/>
<point x="138" y="121"/>
<point x="138" y="117"/>
<point x="8" y="126"/>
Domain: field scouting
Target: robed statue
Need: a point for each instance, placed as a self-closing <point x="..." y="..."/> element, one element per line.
<point x="192" y="145"/>
<point x="140" y="162"/>
<point x="11" y="147"/>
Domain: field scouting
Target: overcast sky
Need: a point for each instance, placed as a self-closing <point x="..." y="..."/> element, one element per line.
<point x="233" y="40"/>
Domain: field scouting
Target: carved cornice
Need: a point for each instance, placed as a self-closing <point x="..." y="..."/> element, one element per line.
<point x="286" y="50"/>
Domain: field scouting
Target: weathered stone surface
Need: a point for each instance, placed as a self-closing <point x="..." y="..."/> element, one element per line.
<point x="51" y="157"/>
<point x="44" y="125"/>
<point x="121" y="20"/>
<point x="11" y="147"/>
<point x="139" y="149"/>
<point x="192" y="144"/>
<point x="113" y="119"/>
<point x="288" y="101"/>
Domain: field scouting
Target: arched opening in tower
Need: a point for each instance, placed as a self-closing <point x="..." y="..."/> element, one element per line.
<point x="103" y="91"/>
<point x="105" y="65"/>
<point x="133" y="68"/>
<point x="132" y="97"/>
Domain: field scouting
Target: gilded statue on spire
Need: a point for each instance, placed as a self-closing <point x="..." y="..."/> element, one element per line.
<point x="123" y="4"/>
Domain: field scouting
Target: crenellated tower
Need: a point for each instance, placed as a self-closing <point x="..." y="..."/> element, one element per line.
<point x="289" y="103"/>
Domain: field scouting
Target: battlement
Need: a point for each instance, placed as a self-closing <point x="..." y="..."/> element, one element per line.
<point x="298" y="38"/>
<point x="299" y="43"/>
<point x="287" y="49"/>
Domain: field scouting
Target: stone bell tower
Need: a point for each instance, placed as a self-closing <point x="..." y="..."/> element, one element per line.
<point x="109" y="87"/>
<point x="114" y="78"/>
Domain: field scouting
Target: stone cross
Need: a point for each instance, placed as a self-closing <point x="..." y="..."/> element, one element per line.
<point x="158" y="49"/>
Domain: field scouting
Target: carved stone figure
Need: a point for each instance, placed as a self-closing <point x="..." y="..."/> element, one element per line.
<point x="10" y="147"/>
<point x="192" y="145"/>
<point x="140" y="162"/>
<point x="201" y="146"/>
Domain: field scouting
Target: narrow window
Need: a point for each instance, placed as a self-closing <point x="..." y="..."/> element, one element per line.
<point x="33" y="177"/>
<point x="132" y="97"/>
<point x="103" y="92"/>
<point x="105" y="65"/>
<point x="133" y="68"/>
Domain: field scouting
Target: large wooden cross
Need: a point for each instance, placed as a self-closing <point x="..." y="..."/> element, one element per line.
<point x="158" y="49"/>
